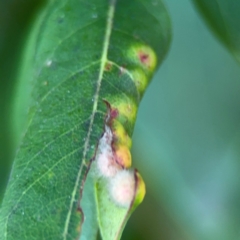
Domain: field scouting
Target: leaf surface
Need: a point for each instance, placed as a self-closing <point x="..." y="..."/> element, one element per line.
<point x="87" y="56"/>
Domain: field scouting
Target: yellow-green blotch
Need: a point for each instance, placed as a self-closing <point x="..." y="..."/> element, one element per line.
<point x="123" y="156"/>
<point x="140" y="79"/>
<point x="120" y="135"/>
<point x="144" y="56"/>
<point x="140" y="190"/>
<point x="127" y="109"/>
<point x="50" y="175"/>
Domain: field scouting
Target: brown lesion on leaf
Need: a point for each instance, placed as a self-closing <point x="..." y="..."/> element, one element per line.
<point x="79" y="208"/>
<point x="79" y="226"/>
<point x="114" y="140"/>
<point x="120" y="140"/>
<point x="108" y="66"/>
<point x="114" y="113"/>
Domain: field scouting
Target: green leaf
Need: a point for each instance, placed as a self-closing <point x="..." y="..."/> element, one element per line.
<point x="16" y="16"/>
<point x="224" y="19"/>
<point x="90" y="64"/>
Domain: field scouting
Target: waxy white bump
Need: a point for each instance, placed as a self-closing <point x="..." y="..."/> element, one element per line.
<point x="122" y="188"/>
<point x="106" y="165"/>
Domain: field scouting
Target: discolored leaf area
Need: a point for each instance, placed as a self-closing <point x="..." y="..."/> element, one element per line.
<point x="224" y="19"/>
<point x="89" y="59"/>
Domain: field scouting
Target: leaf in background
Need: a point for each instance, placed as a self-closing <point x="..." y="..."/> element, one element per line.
<point x="224" y="18"/>
<point x="15" y="19"/>
<point x="90" y="59"/>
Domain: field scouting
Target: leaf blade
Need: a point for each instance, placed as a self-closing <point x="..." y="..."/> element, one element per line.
<point x="64" y="124"/>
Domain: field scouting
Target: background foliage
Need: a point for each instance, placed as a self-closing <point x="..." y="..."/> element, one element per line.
<point x="186" y="141"/>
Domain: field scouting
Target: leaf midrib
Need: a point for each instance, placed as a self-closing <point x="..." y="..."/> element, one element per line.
<point x="110" y="16"/>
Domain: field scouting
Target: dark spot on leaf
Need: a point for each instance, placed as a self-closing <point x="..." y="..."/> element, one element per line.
<point x="79" y="210"/>
<point x="144" y="58"/>
<point x="108" y="66"/>
<point x="113" y="113"/>
<point x="81" y="220"/>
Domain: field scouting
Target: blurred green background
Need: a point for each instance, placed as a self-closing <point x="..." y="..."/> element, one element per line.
<point x="16" y="18"/>
<point x="187" y="136"/>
